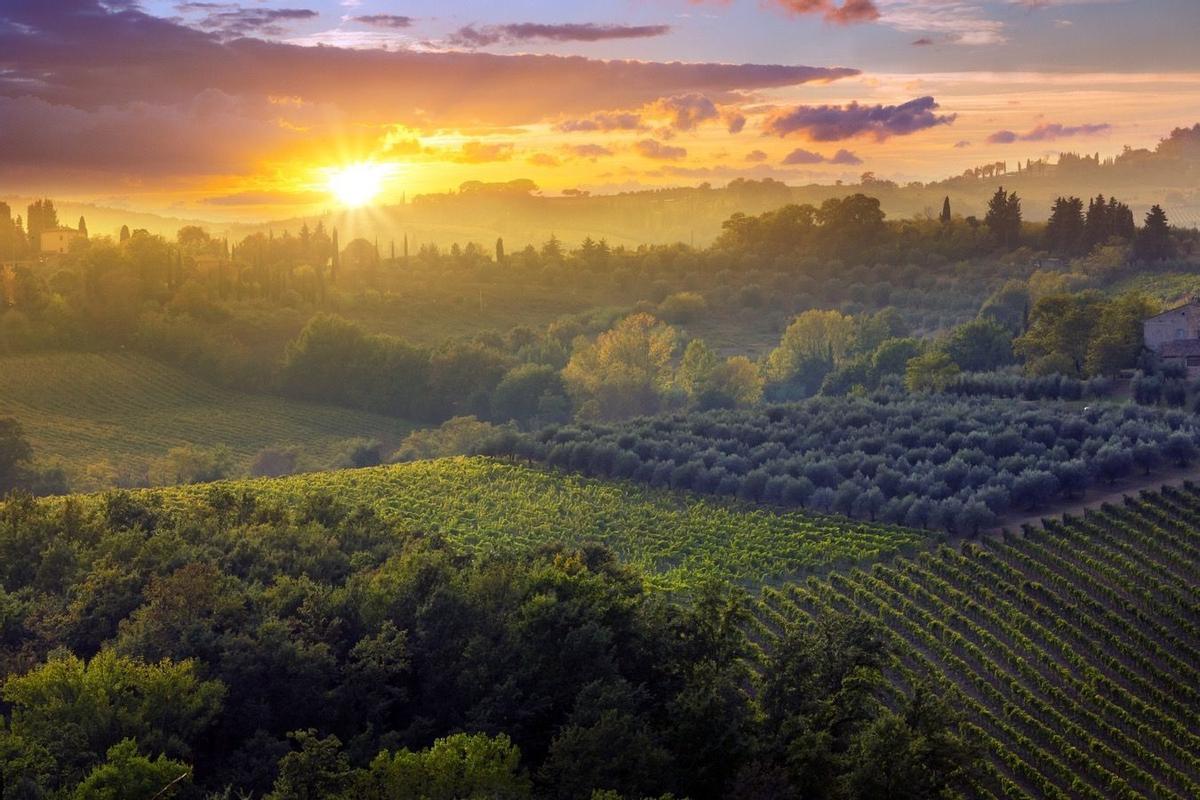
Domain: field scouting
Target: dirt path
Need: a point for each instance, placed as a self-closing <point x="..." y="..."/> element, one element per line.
<point x="1098" y="496"/>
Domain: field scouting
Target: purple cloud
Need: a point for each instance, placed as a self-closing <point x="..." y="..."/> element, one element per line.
<point x="835" y="123"/>
<point x="686" y="111"/>
<point x="604" y="121"/>
<point x="650" y="148"/>
<point x="386" y="20"/>
<point x="1048" y="132"/>
<point x="592" y="151"/>
<point x="234" y="21"/>
<point x="471" y="36"/>
<point x="754" y="156"/>
<point x="848" y="13"/>
<point x="802" y="156"/>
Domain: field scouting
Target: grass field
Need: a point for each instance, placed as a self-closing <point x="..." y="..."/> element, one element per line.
<point x="483" y="504"/>
<point x="1074" y="651"/>
<point x="126" y="411"/>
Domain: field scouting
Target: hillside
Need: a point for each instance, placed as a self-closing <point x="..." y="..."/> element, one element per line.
<point x="1073" y="649"/>
<point x="485" y="505"/>
<point x="117" y="413"/>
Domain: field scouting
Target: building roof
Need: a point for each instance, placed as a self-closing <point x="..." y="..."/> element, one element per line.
<point x="1192" y="302"/>
<point x="1179" y="348"/>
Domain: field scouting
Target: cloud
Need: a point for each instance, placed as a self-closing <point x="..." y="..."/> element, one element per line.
<point x="963" y="22"/>
<point x="847" y="13"/>
<point x="234" y="21"/>
<point x="592" y="151"/>
<point x="802" y="156"/>
<point x="649" y="148"/>
<point x="961" y="143"/>
<point x="476" y="152"/>
<point x="543" y="160"/>
<point x="385" y="20"/>
<point x="924" y="41"/>
<point x="471" y="36"/>
<point x="1048" y="132"/>
<point x="835" y="123"/>
<point x="684" y="112"/>
<point x="87" y="55"/>
<point x="735" y="121"/>
<point x="605" y="121"/>
<point x="756" y="156"/>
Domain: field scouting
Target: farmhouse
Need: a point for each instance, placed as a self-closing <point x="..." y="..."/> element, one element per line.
<point x="1175" y="336"/>
<point x="58" y="240"/>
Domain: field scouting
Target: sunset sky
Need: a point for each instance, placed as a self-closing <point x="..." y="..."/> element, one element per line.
<point x="225" y="110"/>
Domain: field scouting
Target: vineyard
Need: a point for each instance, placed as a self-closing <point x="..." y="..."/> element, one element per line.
<point x="86" y="407"/>
<point x="1074" y="650"/>
<point x="482" y="504"/>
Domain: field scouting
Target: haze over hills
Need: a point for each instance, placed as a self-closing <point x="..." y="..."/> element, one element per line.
<point x="521" y="214"/>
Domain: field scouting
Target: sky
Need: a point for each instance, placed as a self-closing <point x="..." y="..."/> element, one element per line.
<point x="245" y="110"/>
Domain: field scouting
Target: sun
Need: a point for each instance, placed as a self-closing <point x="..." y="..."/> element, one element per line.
<point x="358" y="184"/>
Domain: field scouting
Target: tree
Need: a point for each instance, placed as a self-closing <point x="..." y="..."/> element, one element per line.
<point x="893" y="355"/>
<point x="526" y="392"/>
<point x="1154" y="240"/>
<point x="733" y="383"/>
<point x="695" y="368"/>
<point x="499" y="250"/>
<point x="459" y="767"/>
<point x="979" y="346"/>
<point x="931" y="372"/>
<point x="827" y="335"/>
<point x="128" y="775"/>
<point x="1065" y="233"/>
<point x="124" y="237"/>
<point x="1003" y="219"/>
<point x="15" y="454"/>
<point x="82" y="228"/>
<point x="317" y="771"/>
<point x="945" y="215"/>
<point x="624" y="371"/>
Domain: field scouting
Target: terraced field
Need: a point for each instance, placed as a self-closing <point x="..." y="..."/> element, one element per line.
<point x="1074" y="650"/>
<point x="484" y="504"/>
<point x="128" y="410"/>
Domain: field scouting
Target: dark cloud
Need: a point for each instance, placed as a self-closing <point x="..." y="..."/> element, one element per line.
<point x="835" y="123"/>
<point x="735" y="121"/>
<point x="1048" y="132"/>
<point x="234" y="21"/>
<point x="80" y="53"/>
<point x="472" y="36"/>
<point x="605" y="121"/>
<point x="649" y="148"/>
<point x="924" y="41"/>
<point x="802" y="156"/>
<point x="962" y="143"/>
<point x="686" y="111"/>
<point x="385" y="20"/>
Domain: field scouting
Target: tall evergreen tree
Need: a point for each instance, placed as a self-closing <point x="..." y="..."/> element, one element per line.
<point x="335" y="261"/>
<point x="946" y="211"/>
<point x="499" y="250"/>
<point x="1004" y="219"/>
<point x="1154" y="241"/>
<point x="1065" y="230"/>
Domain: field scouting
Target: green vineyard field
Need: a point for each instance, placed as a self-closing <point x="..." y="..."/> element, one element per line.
<point x="1074" y="650"/>
<point x="480" y="503"/>
<point x="85" y="407"/>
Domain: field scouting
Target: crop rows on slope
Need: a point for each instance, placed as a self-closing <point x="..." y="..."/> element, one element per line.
<point x="950" y="463"/>
<point x="88" y="406"/>
<point x="1075" y="650"/>
<point x="677" y="540"/>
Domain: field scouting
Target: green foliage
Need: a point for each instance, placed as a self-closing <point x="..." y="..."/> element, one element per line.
<point x="624" y="372"/>
<point x="930" y="372"/>
<point x="979" y="346"/>
<point x="77" y="710"/>
<point x="1086" y="334"/>
<point x="459" y="767"/>
<point x="127" y="775"/>
<point x="460" y="436"/>
<point x="15" y="454"/>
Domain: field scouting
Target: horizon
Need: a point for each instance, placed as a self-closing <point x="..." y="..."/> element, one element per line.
<point x="256" y="113"/>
